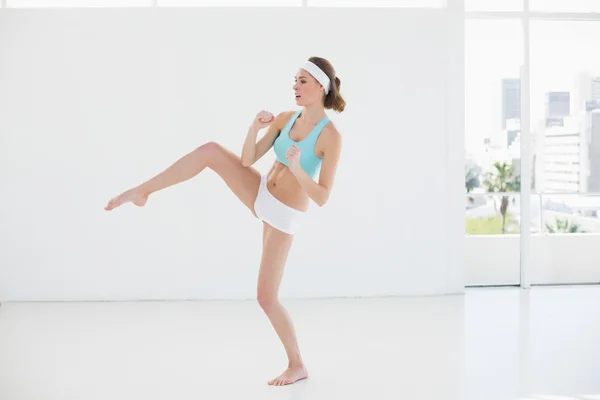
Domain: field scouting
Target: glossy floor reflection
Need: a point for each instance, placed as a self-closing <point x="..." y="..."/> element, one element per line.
<point x="489" y="344"/>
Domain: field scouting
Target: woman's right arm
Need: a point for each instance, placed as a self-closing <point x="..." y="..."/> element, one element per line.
<point x="253" y="151"/>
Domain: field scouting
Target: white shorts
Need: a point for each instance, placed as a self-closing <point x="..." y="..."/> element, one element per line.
<point x="275" y="213"/>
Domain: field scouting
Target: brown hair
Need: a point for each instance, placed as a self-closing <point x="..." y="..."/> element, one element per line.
<point x="333" y="100"/>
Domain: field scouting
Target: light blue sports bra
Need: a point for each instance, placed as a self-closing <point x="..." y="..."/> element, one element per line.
<point x="309" y="161"/>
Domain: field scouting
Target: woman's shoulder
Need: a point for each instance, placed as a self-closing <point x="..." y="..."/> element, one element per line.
<point x="287" y="114"/>
<point x="330" y="138"/>
<point x="331" y="132"/>
<point x="283" y="117"/>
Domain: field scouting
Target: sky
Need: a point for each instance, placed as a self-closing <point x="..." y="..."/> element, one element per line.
<point x="494" y="50"/>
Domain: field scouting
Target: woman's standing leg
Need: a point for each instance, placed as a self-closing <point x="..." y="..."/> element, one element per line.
<point x="276" y="246"/>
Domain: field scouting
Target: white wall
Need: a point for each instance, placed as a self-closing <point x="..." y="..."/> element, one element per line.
<point x="93" y="102"/>
<point x="556" y="259"/>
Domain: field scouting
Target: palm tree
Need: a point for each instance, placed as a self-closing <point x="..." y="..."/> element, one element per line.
<point x="471" y="179"/>
<point x="502" y="179"/>
<point x="563" y="225"/>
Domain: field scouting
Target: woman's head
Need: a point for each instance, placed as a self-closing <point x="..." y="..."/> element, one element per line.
<point x="316" y="82"/>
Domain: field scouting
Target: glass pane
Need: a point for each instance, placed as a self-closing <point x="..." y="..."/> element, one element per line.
<point x="565" y="6"/>
<point x="565" y="253"/>
<point x="492" y="214"/>
<point x="492" y="240"/>
<point x="570" y="213"/>
<point x="378" y="3"/>
<point x="493" y="55"/>
<point x="77" y="3"/>
<point x="565" y="106"/>
<point x="494" y="5"/>
<point x="229" y="3"/>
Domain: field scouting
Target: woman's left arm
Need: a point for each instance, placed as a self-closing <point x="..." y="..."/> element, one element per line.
<point x="319" y="192"/>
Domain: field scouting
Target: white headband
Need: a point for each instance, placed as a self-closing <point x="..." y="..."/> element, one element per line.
<point x="318" y="74"/>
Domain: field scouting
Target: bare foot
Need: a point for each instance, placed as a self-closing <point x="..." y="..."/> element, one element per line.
<point x="131" y="195"/>
<point x="289" y="376"/>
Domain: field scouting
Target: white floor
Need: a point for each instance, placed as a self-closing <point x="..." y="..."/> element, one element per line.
<point x="506" y="343"/>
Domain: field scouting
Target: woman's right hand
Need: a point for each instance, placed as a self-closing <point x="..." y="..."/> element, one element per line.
<point x="263" y="119"/>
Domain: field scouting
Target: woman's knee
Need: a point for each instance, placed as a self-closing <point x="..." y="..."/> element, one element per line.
<point x="209" y="149"/>
<point x="267" y="300"/>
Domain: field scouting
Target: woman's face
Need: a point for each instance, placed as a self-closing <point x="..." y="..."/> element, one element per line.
<point x="306" y="89"/>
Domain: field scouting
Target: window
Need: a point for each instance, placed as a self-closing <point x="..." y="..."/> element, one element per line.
<point x="150" y="3"/>
<point x="493" y="56"/>
<point x="77" y="3"/>
<point x="565" y="6"/>
<point x="229" y="3"/>
<point x="565" y="130"/>
<point x="565" y="106"/>
<point x="378" y="3"/>
<point x="494" y="5"/>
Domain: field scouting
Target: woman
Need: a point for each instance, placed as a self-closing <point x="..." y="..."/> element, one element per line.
<point x="303" y="141"/>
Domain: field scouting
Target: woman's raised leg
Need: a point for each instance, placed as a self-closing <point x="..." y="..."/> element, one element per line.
<point x="243" y="181"/>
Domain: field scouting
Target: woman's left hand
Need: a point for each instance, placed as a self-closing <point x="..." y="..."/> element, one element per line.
<point x="293" y="157"/>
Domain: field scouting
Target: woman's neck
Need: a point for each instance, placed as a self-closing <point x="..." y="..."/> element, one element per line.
<point x="312" y="114"/>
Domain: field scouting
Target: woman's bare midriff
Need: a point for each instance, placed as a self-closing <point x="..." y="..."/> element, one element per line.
<point x="284" y="186"/>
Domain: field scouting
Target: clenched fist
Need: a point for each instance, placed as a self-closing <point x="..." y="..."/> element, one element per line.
<point x="263" y="119"/>
<point x="293" y="158"/>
